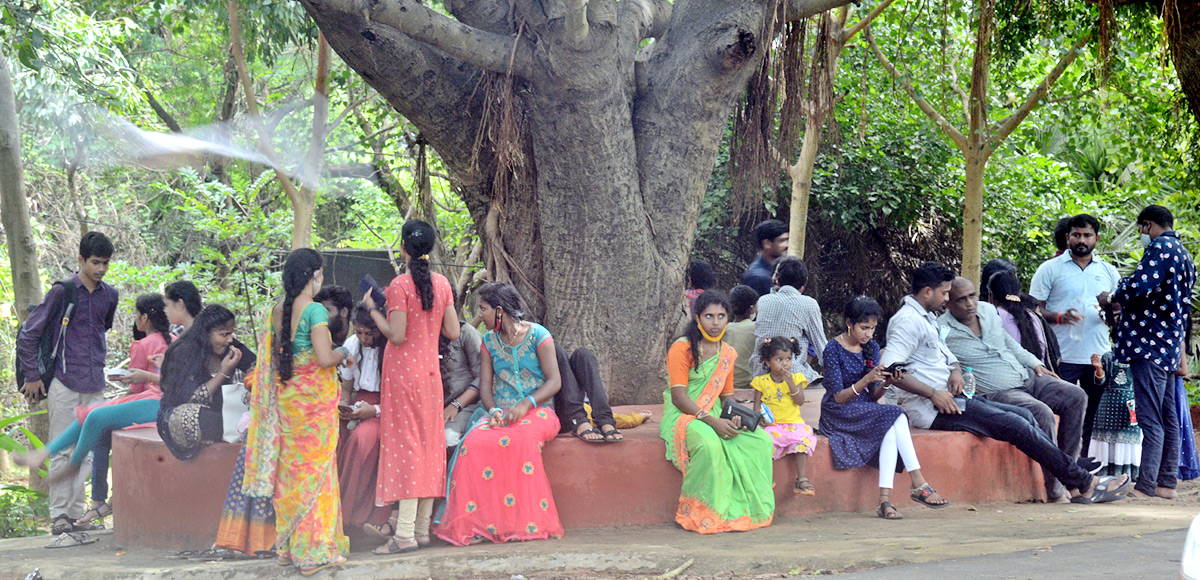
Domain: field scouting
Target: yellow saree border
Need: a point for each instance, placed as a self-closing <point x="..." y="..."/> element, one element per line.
<point x="707" y="399"/>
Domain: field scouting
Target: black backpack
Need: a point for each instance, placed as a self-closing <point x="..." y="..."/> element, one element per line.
<point x="49" y="346"/>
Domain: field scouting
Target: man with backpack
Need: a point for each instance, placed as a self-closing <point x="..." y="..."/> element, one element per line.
<point x="74" y="316"/>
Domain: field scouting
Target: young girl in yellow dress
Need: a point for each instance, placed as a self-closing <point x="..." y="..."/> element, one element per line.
<point x="782" y="391"/>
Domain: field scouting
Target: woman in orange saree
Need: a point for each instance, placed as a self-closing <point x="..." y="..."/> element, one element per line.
<point x="727" y="473"/>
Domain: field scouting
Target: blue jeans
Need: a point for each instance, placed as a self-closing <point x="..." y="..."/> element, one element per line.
<point x="1154" y="391"/>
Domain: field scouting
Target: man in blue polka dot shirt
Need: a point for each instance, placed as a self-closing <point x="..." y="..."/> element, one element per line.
<point x="1154" y="304"/>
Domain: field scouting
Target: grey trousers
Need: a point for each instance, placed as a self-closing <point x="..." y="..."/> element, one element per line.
<point x="1046" y="397"/>
<point x="66" y="495"/>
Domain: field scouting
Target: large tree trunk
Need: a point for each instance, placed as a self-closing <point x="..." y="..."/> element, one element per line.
<point x="1182" y="23"/>
<point x="621" y="151"/>
<point x="18" y="234"/>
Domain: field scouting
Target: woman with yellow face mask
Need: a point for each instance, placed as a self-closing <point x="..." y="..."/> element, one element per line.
<point x="703" y="445"/>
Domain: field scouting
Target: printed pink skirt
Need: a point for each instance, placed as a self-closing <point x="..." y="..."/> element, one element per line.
<point x="789" y="438"/>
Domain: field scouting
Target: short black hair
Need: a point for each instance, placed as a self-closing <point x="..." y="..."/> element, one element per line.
<point x="990" y="269"/>
<point x="1157" y="214"/>
<point x="95" y="244"/>
<point x="700" y="275"/>
<point x="861" y="309"/>
<point x="791" y="271"/>
<point x="339" y="295"/>
<point x="768" y="230"/>
<point x="930" y="275"/>
<point x="1060" y="233"/>
<point x="742" y="298"/>
<point x="1083" y="220"/>
<point x="186" y="292"/>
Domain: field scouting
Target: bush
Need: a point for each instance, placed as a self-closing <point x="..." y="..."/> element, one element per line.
<point x="23" y="511"/>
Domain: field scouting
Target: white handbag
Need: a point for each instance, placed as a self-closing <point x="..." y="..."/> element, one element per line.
<point x="236" y="403"/>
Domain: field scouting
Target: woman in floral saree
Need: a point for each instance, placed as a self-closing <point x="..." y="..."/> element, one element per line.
<point x="727" y="472"/>
<point x="292" y="442"/>
<point x="498" y="490"/>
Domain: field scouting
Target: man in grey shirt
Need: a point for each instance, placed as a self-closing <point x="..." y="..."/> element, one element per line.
<point x="933" y="388"/>
<point x="460" y="380"/>
<point x="1007" y="373"/>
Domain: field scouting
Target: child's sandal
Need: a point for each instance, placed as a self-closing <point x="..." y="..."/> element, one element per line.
<point x="804" y="487"/>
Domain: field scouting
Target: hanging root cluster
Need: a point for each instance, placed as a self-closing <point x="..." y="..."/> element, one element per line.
<point x="766" y="128"/>
<point x="1108" y="35"/>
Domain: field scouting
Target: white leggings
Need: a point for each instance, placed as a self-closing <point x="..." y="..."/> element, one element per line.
<point x="897" y="439"/>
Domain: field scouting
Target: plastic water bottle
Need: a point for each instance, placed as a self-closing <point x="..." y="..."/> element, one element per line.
<point x="969" y="383"/>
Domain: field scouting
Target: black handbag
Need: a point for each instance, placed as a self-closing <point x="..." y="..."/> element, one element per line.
<point x="733" y="409"/>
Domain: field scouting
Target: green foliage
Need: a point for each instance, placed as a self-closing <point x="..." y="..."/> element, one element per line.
<point x="22" y="511"/>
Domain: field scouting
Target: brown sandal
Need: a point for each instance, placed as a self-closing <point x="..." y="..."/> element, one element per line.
<point x="888" y="511"/>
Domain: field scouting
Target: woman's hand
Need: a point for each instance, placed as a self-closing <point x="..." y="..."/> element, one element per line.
<point x="137" y="376"/>
<point x="348" y="361"/>
<point x="877" y="373"/>
<point x="369" y="301"/>
<point x="363" y="412"/>
<point x="519" y="410"/>
<point x="449" y="413"/>
<point x="725" y="428"/>
<point x="496" y="418"/>
<point x="231" y="360"/>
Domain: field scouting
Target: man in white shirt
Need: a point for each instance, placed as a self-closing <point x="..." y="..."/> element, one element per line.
<point x="1067" y="286"/>
<point x="933" y="387"/>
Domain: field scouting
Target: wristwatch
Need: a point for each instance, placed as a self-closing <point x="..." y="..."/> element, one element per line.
<point x="456" y="404"/>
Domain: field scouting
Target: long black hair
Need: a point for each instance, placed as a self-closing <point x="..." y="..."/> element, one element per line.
<point x="1005" y="288"/>
<point x="183" y="366"/>
<point x="703" y="301"/>
<point x="152" y="305"/>
<point x="298" y="270"/>
<point x="417" y="238"/>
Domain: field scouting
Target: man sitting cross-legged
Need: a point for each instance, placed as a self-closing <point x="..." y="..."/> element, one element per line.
<point x="932" y="385"/>
<point x="1007" y="373"/>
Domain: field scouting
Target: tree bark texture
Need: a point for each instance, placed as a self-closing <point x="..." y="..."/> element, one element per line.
<point x="622" y="140"/>
<point x="18" y="233"/>
<point x="1182" y="23"/>
<point x="801" y="174"/>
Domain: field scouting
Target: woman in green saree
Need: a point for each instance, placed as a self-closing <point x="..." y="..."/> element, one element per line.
<point x="727" y="472"/>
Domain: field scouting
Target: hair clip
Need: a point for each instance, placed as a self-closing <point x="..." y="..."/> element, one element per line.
<point x="767" y="341"/>
<point x="1012" y="298"/>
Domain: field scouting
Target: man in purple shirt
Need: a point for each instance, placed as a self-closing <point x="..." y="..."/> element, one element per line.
<point x="79" y="371"/>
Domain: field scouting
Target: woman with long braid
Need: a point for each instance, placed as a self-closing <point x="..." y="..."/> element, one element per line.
<point x="292" y="443"/>
<point x="412" y="456"/>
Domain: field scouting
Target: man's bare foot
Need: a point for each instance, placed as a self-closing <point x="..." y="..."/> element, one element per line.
<point x="1166" y="493"/>
<point x="1064" y="498"/>
<point x="1093" y="495"/>
<point x="1134" y="494"/>
<point x="33" y="458"/>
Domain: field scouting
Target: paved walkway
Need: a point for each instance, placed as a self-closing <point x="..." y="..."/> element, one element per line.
<point x="792" y="546"/>
<point x="1147" y="557"/>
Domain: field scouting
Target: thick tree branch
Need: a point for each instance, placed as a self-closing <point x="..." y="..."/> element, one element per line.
<point x="162" y="113"/>
<point x="576" y="23"/>
<point x="955" y="135"/>
<point x="801" y="9"/>
<point x="484" y="49"/>
<point x="1031" y="102"/>
<point x="865" y="21"/>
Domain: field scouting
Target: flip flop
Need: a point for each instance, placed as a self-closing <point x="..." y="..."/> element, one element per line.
<point x="1102" y="493"/>
<point x="580" y="435"/>
<point x="883" y="511"/>
<point x="310" y="571"/>
<point x="921" y="495"/>
<point x="608" y="435"/>
<point x="72" y="539"/>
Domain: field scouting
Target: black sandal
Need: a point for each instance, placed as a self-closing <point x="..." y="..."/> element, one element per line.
<point x="591" y="431"/>
<point x="613" y="435"/>
<point x="888" y="515"/>
<point x="62" y="528"/>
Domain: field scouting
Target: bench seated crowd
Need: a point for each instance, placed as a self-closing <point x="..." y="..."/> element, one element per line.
<point x="392" y="419"/>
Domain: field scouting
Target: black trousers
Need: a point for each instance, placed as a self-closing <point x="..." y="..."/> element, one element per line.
<point x="1015" y="425"/>
<point x="580" y="378"/>
<point x="1085" y="375"/>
